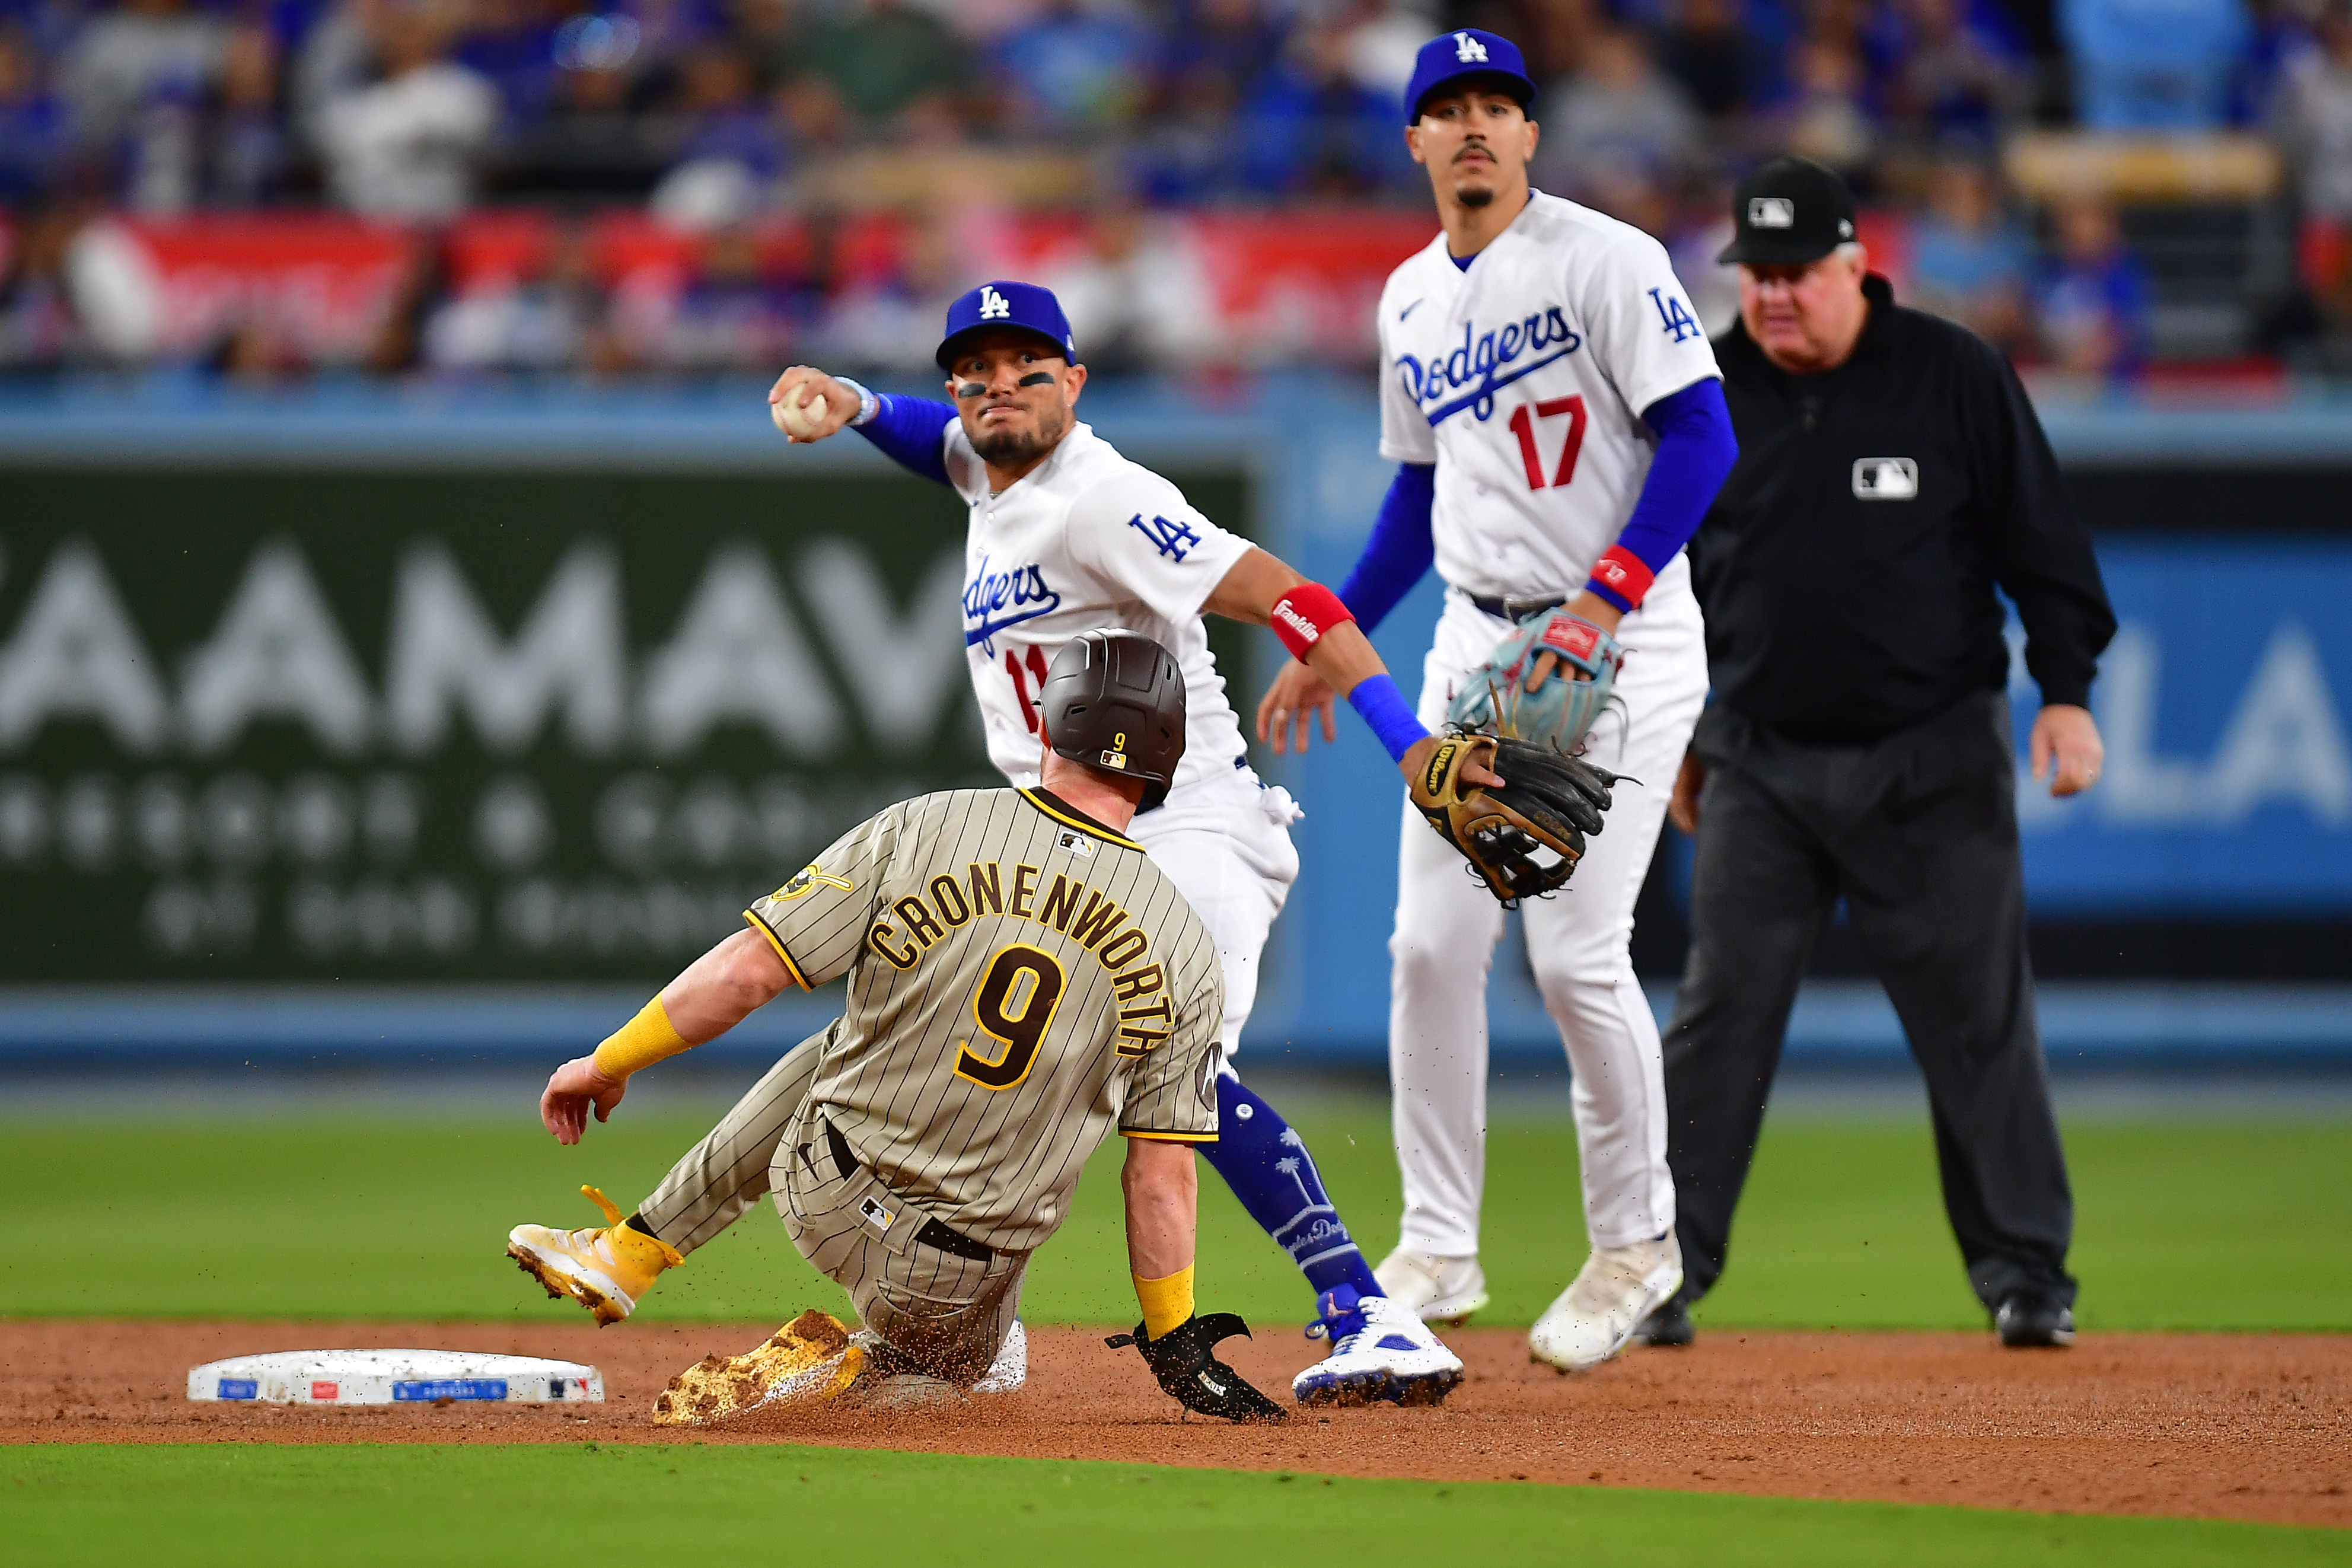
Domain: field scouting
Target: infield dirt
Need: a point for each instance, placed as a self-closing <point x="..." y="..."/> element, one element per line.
<point x="2209" y="1426"/>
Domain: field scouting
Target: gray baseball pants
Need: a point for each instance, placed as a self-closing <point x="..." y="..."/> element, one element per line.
<point x="940" y="1302"/>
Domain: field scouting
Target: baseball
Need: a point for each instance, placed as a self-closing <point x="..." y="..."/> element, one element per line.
<point x="798" y="415"/>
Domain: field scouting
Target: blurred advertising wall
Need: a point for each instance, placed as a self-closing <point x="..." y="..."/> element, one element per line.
<point x="299" y="698"/>
<point x="266" y="725"/>
<point x="2223" y="701"/>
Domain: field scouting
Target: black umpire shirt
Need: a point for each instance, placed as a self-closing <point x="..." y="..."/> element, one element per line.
<point x="1847" y="567"/>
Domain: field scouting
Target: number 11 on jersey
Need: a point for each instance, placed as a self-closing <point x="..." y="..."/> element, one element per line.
<point x="1036" y="673"/>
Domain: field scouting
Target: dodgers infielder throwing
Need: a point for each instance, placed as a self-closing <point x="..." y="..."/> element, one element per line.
<point x="1560" y="426"/>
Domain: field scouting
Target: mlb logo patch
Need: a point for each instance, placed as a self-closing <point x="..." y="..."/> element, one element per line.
<point x="1576" y="641"/>
<point x="1885" y="479"/>
<point x="1073" y="842"/>
<point x="1771" y="212"/>
<point x="876" y="1213"/>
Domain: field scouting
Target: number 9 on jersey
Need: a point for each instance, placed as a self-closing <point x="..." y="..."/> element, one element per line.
<point x="1019" y="976"/>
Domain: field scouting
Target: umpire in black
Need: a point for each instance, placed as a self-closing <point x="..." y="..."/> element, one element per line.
<point x="1891" y="476"/>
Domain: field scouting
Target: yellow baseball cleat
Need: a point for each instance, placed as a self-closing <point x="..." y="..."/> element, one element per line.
<point x="607" y="1269"/>
<point x="808" y="1361"/>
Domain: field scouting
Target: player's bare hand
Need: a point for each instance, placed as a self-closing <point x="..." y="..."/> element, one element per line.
<point x="1681" y="807"/>
<point x="1416" y="755"/>
<point x="1284" y="713"/>
<point x="808" y="404"/>
<point x="2065" y="746"/>
<point x="575" y="1087"/>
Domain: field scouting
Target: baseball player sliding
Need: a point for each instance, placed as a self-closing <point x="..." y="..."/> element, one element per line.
<point x="1559" y="428"/>
<point x="1067" y="535"/>
<point x="1023" y="979"/>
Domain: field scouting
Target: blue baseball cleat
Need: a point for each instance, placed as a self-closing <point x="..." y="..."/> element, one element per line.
<point x="1381" y="1354"/>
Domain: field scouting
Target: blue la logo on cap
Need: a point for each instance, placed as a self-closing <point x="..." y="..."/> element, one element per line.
<point x="1471" y="51"/>
<point x="1021" y="306"/>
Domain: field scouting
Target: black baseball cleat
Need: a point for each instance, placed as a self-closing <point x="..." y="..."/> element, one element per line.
<point x="1669" y="1326"/>
<point x="2034" y="1323"/>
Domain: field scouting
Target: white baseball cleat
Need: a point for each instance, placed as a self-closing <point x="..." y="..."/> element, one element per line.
<point x="1595" y="1317"/>
<point x="1009" y="1370"/>
<point x="1381" y="1353"/>
<point x="1437" y="1289"/>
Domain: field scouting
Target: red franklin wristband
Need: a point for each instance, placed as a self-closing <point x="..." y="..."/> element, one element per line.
<point x="1622" y="575"/>
<point x="1302" y="617"/>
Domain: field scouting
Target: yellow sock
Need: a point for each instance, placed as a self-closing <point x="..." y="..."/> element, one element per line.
<point x="1166" y="1302"/>
<point x="642" y="1247"/>
<point x="650" y="1252"/>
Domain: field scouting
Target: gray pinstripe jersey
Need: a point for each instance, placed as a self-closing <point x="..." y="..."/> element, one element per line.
<point x="1022" y="980"/>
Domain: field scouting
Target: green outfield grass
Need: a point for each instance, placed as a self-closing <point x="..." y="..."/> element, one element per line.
<point x="244" y="1504"/>
<point x="351" y="1214"/>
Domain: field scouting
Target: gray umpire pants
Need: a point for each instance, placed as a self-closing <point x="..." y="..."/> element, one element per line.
<point x="1918" y="835"/>
<point x="940" y="1302"/>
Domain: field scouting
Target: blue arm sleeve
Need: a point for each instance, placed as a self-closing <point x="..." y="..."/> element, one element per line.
<point x="1696" y="451"/>
<point x="1400" y="550"/>
<point x="908" y="430"/>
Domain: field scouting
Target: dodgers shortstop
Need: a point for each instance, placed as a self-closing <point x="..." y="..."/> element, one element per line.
<point x="1560" y="427"/>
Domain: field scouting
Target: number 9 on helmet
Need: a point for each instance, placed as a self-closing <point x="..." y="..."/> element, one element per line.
<point x="1114" y="701"/>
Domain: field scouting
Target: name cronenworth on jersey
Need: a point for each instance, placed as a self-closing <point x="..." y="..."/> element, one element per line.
<point x="1010" y="1001"/>
<point x="1527" y="375"/>
<point x="1146" y="1017"/>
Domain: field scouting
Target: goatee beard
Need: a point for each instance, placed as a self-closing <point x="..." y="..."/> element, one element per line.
<point x="1007" y="447"/>
<point x="1475" y="197"/>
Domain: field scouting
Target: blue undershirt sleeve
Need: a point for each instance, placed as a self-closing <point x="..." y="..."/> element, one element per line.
<point x="1696" y="452"/>
<point x="1400" y="550"/>
<point x="910" y="431"/>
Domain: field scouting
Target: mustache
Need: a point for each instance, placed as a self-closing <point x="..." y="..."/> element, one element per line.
<point x="1475" y="144"/>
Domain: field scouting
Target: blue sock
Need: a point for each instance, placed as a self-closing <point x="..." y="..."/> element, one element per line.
<point x="1268" y="1168"/>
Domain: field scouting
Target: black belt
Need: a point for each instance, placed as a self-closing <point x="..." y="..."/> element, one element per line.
<point x="1516" y="609"/>
<point x="933" y="1233"/>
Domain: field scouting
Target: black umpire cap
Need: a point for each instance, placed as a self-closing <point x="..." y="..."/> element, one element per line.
<point x="1114" y="701"/>
<point x="1790" y="211"/>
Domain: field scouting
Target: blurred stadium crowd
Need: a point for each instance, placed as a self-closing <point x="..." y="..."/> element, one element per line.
<point x="2151" y="191"/>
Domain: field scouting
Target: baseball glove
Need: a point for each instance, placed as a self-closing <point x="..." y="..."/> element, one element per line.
<point x="1525" y="836"/>
<point x="1182" y="1360"/>
<point x="1493" y="697"/>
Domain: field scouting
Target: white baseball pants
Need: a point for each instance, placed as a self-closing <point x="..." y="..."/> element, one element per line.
<point x="1225" y="842"/>
<point x="1578" y="941"/>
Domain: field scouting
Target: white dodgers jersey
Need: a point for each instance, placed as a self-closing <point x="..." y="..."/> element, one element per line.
<point x="1086" y="539"/>
<point x="1523" y="379"/>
